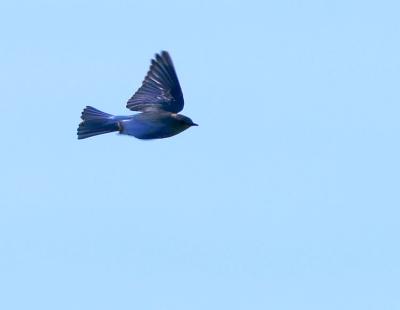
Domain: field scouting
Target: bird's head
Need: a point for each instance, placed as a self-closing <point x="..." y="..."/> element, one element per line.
<point x="186" y="121"/>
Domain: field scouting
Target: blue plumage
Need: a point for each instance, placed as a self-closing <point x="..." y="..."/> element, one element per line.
<point x="96" y="122"/>
<point x="159" y="99"/>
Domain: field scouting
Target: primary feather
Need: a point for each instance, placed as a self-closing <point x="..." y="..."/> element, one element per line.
<point x="160" y="89"/>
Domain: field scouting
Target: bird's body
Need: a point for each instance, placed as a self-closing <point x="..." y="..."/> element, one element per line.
<point x="153" y="125"/>
<point x="159" y="100"/>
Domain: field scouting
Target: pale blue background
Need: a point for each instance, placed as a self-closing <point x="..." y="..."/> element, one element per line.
<point x="285" y="197"/>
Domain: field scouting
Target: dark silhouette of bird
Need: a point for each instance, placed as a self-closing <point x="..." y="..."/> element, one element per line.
<point x="159" y="100"/>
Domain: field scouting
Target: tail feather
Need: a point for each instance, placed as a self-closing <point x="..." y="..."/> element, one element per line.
<point x="96" y="122"/>
<point x="90" y="113"/>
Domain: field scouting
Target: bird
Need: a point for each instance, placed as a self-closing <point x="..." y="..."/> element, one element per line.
<point x="158" y="101"/>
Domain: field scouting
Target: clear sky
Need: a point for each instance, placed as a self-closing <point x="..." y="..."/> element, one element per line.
<point x="285" y="197"/>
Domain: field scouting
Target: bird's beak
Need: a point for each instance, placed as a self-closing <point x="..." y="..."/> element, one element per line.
<point x="194" y="124"/>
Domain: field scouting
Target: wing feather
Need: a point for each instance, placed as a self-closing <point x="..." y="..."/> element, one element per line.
<point x="160" y="89"/>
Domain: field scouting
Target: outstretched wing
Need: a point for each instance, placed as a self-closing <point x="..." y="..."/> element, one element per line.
<point x="160" y="88"/>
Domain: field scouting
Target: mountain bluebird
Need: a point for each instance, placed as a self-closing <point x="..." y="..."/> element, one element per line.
<point x="158" y="100"/>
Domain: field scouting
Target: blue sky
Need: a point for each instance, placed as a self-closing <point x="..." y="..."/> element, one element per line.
<point x="285" y="197"/>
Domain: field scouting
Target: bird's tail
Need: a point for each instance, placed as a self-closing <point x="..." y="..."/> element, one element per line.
<point x="96" y="122"/>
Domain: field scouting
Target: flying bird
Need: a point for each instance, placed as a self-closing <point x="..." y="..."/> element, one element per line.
<point x="158" y="101"/>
